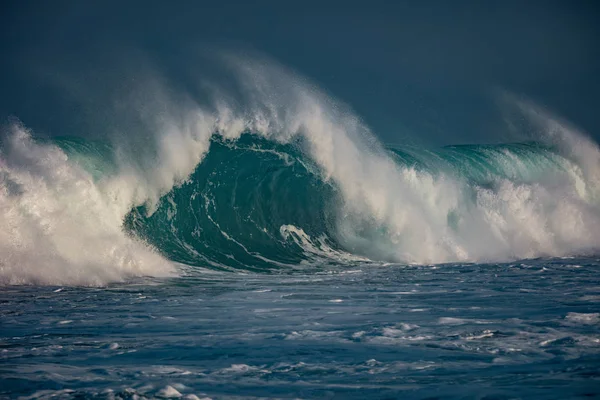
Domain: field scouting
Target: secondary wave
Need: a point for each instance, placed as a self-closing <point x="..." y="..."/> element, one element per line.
<point x="275" y="174"/>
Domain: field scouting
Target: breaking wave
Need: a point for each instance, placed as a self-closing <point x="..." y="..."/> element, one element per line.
<point x="277" y="175"/>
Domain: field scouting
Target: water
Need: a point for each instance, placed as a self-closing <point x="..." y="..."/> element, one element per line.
<point x="261" y="243"/>
<point x="520" y="330"/>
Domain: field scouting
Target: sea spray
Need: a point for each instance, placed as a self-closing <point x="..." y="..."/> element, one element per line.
<point x="316" y="167"/>
<point x="59" y="226"/>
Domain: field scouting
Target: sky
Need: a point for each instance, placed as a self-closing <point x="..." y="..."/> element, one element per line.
<point x="414" y="71"/>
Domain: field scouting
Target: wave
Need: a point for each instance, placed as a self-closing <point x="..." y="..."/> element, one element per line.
<point x="258" y="205"/>
<point x="277" y="175"/>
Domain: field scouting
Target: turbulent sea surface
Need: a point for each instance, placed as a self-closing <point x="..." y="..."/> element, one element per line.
<point x="264" y="244"/>
<point x="497" y="331"/>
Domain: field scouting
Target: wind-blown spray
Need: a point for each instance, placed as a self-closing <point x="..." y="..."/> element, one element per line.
<point x="291" y="178"/>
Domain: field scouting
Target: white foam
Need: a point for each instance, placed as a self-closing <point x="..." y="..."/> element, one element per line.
<point x="168" y="392"/>
<point x="238" y="369"/>
<point x="451" y="321"/>
<point x="583" y="318"/>
<point x="58" y="226"/>
<point x="484" y="335"/>
<point x="61" y="227"/>
<point x="318" y="247"/>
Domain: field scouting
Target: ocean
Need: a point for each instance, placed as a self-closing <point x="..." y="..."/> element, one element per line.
<point x="263" y="243"/>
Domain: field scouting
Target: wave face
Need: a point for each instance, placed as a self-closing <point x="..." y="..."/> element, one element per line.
<point x="275" y="174"/>
<point x="258" y="205"/>
<point x="251" y="204"/>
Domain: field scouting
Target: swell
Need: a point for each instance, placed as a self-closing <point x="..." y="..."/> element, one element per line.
<point x="258" y="205"/>
<point x="183" y="180"/>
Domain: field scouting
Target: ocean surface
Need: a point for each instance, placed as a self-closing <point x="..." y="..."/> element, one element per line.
<point x="496" y="331"/>
<point x="262" y="243"/>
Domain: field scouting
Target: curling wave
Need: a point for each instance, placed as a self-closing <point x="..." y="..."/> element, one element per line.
<point x="278" y="175"/>
<point x="257" y="205"/>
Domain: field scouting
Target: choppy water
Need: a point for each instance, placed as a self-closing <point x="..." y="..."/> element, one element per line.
<point x="520" y="330"/>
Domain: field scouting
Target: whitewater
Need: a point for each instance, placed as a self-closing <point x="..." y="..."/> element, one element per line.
<point x="258" y="240"/>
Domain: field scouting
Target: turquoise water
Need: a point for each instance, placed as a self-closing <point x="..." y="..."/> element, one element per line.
<point x="260" y="206"/>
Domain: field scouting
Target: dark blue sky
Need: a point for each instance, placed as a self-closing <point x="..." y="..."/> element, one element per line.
<point x="422" y="71"/>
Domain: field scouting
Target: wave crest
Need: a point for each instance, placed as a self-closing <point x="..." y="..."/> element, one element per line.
<point x="309" y="163"/>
